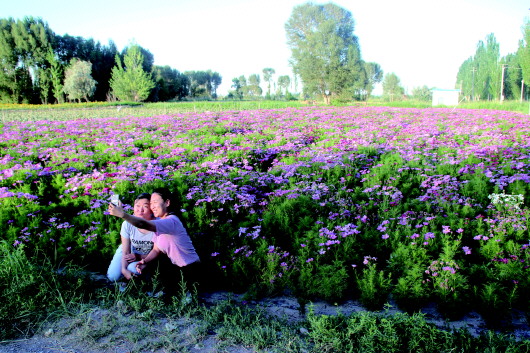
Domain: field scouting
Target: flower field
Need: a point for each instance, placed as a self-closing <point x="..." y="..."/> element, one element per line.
<point x="417" y="204"/>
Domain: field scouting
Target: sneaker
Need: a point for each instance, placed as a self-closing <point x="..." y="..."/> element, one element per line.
<point x="155" y="295"/>
<point x="122" y="286"/>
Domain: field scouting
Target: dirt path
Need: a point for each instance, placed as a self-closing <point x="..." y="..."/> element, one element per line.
<point x="49" y="340"/>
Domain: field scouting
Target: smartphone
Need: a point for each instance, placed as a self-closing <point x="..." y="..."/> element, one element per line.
<point x="115" y="199"/>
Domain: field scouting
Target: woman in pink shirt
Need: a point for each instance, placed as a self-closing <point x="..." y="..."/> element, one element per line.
<point x="170" y="239"/>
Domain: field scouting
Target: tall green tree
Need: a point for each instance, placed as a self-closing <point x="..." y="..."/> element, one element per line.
<point x="513" y="75"/>
<point x="23" y="48"/>
<point x="466" y="78"/>
<point x="267" y="77"/>
<point x="78" y="81"/>
<point x="392" y="89"/>
<point x="283" y="84"/>
<point x="481" y="76"/>
<point x="170" y="84"/>
<point x="216" y="79"/>
<point x="423" y="93"/>
<point x="237" y="92"/>
<point x="488" y="73"/>
<point x="10" y="72"/>
<point x="102" y="57"/>
<point x="374" y="75"/>
<point x="243" y="86"/>
<point x="129" y="81"/>
<point x="523" y="53"/>
<point x="253" y="86"/>
<point x="33" y="40"/>
<point x="56" y="76"/>
<point x="203" y="84"/>
<point x="324" y="51"/>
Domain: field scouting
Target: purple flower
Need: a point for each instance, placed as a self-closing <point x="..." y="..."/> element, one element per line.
<point x="467" y="250"/>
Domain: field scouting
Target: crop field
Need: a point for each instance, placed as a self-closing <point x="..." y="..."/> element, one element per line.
<point x="414" y="204"/>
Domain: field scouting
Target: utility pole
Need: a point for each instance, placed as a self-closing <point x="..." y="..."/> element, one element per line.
<point x="522" y="90"/>
<point x="473" y="85"/>
<point x="502" y="83"/>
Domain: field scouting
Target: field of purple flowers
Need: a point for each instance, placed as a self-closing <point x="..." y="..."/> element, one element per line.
<point x="420" y="204"/>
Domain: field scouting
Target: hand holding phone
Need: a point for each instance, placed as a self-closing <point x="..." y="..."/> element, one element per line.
<point x="115" y="199"/>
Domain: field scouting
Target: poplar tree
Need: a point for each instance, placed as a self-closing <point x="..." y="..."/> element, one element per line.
<point x="374" y="75"/>
<point x="523" y="53"/>
<point x="283" y="84"/>
<point x="325" y="52"/>
<point x="267" y="77"/>
<point x="78" y="81"/>
<point x="253" y="87"/>
<point x="129" y="81"/>
<point x="56" y="76"/>
<point x="23" y="48"/>
<point x="392" y="89"/>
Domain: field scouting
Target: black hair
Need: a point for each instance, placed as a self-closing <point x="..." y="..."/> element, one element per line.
<point x="143" y="195"/>
<point x="166" y="194"/>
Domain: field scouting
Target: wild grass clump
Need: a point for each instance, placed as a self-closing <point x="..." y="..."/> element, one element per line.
<point x="381" y="332"/>
<point x="31" y="289"/>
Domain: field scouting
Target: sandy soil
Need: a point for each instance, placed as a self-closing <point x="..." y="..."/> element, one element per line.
<point x="49" y="340"/>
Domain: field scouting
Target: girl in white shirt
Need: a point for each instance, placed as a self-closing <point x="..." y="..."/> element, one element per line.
<point x="136" y="243"/>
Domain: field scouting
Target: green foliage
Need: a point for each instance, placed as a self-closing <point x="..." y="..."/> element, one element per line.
<point x="374" y="287"/>
<point x="326" y="281"/>
<point x="523" y="52"/>
<point x="374" y="75"/>
<point x="373" y="332"/>
<point x="78" y="81"/>
<point x="392" y="89"/>
<point x="31" y="290"/>
<point x="449" y="285"/>
<point x="240" y="326"/>
<point x="129" y="81"/>
<point x="479" y="76"/>
<point x="408" y="263"/>
<point x="267" y="77"/>
<point x="495" y="304"/>
<point x="55" y="73"/>
<point x="170" y="84"/>
<point x="283" y="85"/>
<point x="423" y="93"/>
<point x="325" y="55"/>
<point x="203" y="84"/>
<point x="23" y="48"/>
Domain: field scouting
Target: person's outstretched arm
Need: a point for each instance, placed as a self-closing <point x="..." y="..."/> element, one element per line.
<point x="138" y="222"/>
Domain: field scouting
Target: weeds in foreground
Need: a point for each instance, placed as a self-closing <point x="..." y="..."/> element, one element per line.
<point x="32" y="289"/>
<point x="139" y="321"/>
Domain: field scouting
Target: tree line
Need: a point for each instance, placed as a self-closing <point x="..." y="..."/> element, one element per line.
<point x="488" y="76"/>
<point x="39" y="66"/>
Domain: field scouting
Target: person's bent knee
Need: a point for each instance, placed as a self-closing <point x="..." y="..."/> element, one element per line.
<point x="113" y="277"/>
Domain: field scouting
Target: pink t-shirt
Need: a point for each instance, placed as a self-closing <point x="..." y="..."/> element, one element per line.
<point x="173" y="240"/>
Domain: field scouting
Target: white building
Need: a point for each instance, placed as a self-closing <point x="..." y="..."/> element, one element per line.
<point x="445" y="97"/>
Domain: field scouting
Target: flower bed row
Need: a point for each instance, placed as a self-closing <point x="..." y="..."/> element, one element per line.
<point x="420" y="204"/>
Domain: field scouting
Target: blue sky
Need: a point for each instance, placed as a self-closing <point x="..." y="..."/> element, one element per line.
<point x="422" y="41"/>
